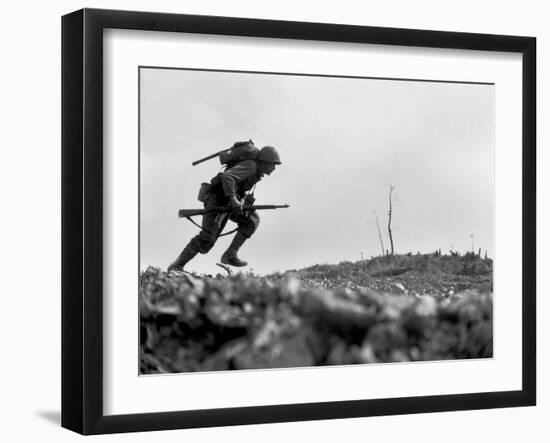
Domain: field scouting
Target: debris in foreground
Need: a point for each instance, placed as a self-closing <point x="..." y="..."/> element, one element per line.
<point x="241" y="322"/>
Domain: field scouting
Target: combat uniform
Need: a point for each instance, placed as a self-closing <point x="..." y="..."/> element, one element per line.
<point x="236" y="181"/>
<point x="226" y="188"/>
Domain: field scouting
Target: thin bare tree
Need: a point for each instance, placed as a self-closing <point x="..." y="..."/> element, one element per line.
<point x="379" y="232"/>
<point x="389" y="218"/>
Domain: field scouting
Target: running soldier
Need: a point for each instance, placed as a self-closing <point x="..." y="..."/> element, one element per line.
<point x="229" y="188"/>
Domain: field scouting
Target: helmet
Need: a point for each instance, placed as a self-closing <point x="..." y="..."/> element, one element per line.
<point x="270" y="155"/>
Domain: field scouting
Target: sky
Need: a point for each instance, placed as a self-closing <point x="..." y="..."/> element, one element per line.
<point x="343" y="142"/>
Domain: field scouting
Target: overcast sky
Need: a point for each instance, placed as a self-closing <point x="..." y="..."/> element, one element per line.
<point x="342" y="142"/>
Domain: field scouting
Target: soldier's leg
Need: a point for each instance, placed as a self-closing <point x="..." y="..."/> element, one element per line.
<point x="247" y="226"/>
<point x="188" y="253"/>
<point x="212" y="225"/>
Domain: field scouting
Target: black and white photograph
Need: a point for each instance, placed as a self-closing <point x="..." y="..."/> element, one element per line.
<point x="243" y="222"/>
<point x="294" y="220"/>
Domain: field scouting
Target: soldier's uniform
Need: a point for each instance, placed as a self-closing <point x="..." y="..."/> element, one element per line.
<point x="236" y="181"/>
<point x="229" y="187"/>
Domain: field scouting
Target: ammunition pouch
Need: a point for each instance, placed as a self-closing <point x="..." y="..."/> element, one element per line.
<point x="204" y="192"/>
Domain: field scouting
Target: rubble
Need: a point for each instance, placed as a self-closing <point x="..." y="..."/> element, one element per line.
<point x="243" y="322"/>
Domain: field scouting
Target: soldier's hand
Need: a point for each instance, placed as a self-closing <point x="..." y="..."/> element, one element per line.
<point x="249" y="200"/>
<point x="236" y="204"/>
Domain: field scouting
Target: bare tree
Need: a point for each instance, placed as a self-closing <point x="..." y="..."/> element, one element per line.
<point x="389" y="219"/>
<point x="379" y="232"/>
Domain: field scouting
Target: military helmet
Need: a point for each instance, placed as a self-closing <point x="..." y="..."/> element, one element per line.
<point x="270" y="155"/>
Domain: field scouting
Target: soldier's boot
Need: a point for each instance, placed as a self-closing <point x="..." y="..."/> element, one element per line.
<point x="185" y="256"/>
<point x="230" y="257"/>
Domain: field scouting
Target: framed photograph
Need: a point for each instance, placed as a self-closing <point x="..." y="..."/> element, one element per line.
<point x="269" y="221"/>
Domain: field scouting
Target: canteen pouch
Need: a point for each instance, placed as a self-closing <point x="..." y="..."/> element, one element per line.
<point x="204" y="192"/>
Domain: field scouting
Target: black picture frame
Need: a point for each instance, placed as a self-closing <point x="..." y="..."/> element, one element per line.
<point x="82" y="220"/>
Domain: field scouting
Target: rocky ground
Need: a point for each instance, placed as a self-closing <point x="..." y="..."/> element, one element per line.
<point x="388" y="309"/>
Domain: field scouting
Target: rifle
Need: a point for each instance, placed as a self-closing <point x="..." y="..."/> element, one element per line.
<point x="196" y="162"/>
<point x="236" y="145"/>
<point x="185" y="213"/>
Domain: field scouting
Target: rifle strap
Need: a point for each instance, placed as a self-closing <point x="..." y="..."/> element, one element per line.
<point x="194" y="222"/>
<point x="221" y="235"/>
<point x="229" y="232"/>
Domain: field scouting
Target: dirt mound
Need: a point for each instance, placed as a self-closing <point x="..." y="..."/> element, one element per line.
<point x="419" y="274"/>
<point x="293" y="320"/>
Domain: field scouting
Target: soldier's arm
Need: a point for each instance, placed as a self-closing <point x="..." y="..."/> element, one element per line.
<point x="235" y="175"/>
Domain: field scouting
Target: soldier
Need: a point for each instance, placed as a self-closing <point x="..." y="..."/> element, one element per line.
<point x="229" y="188"/>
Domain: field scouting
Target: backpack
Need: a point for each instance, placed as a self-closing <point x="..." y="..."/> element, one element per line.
<point x="239" y="152"/>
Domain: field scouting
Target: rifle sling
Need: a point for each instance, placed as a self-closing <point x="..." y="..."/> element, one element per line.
<point x="193" y="221"/>
<point x="221" y="235"/>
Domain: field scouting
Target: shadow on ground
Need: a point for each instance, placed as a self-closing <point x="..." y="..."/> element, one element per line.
<point x="54" y="417"/>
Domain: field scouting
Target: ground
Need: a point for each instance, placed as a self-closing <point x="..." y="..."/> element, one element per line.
<point x="387" y="309"/>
